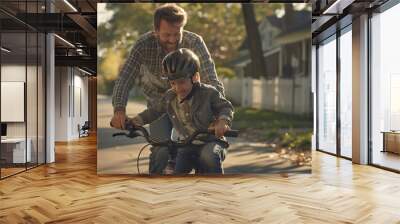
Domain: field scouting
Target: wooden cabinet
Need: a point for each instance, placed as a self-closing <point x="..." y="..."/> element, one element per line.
<point x="391" y="142"/>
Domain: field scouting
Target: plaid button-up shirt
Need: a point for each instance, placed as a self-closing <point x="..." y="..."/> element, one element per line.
<point x="144" y="68"/>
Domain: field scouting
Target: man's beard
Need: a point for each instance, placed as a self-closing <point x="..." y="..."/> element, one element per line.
<point x="168" y="47"/>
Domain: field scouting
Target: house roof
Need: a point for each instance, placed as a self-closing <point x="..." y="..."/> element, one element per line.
<point x="299" y="21"/>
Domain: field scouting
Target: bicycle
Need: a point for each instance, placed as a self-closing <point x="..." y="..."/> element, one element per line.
<point x="139" y="131"/>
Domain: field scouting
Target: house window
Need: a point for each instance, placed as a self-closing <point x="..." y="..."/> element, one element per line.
<point x="272" y="65"/>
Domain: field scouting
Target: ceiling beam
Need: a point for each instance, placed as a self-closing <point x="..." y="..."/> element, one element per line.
<point x="49" y="22"/>
<point x="81" y="61"/>
<point x="89" y="31"/>
<point x="337" y="7"/>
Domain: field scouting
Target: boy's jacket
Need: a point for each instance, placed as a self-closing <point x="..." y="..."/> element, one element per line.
<point x="207" y="105"/>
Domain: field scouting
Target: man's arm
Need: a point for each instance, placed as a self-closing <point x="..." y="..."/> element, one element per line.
<point x="208" y="73"/>
<point x="128" y="74"/>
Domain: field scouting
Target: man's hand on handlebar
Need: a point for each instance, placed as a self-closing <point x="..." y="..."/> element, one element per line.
<point x="118" y="120"/>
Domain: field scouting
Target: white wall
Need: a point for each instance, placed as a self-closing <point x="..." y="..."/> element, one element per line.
<point x="71" y="94"/>
<point x="13" y="73"/>
<point x="61" y="103"/>
<point x="80" y="104"/>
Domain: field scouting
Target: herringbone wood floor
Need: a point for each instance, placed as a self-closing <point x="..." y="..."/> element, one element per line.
<point x="70" y="191"/>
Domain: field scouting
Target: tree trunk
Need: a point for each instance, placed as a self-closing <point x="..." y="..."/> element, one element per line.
<point x="254" y="42"/>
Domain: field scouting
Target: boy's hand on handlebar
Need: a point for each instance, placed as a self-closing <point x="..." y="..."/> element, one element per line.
<point x="220" y="127"/>
<point x="135" y="121"/>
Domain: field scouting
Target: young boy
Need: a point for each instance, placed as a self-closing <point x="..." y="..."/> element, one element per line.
<point x="192" y="106"/>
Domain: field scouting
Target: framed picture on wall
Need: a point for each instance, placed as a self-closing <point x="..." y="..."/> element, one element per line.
<point x="12" y="101"/>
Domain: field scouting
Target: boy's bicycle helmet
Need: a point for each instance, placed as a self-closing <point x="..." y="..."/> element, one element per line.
<point x="180" y="64"/>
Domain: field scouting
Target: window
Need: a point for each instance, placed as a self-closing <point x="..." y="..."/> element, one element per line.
<point x="22" y="67"/>
<point x="385" y="86"/>
<point x="327" y="95"/>
<point x="346" y="93"/>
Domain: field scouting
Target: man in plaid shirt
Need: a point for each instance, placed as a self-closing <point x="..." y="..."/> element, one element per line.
<point x="144" y="68"/>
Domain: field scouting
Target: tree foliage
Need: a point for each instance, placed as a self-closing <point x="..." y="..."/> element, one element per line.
<point x="220" y="24"/>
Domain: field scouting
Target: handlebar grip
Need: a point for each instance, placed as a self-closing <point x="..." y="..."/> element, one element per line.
<point x="120" y="133"/>
<point x="232" y="133"/>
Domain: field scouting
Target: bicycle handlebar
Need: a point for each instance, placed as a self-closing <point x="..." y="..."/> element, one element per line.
<point x="135" y="131"/>
<point x="120" y="133"/>
<point x="232" y="133"/>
